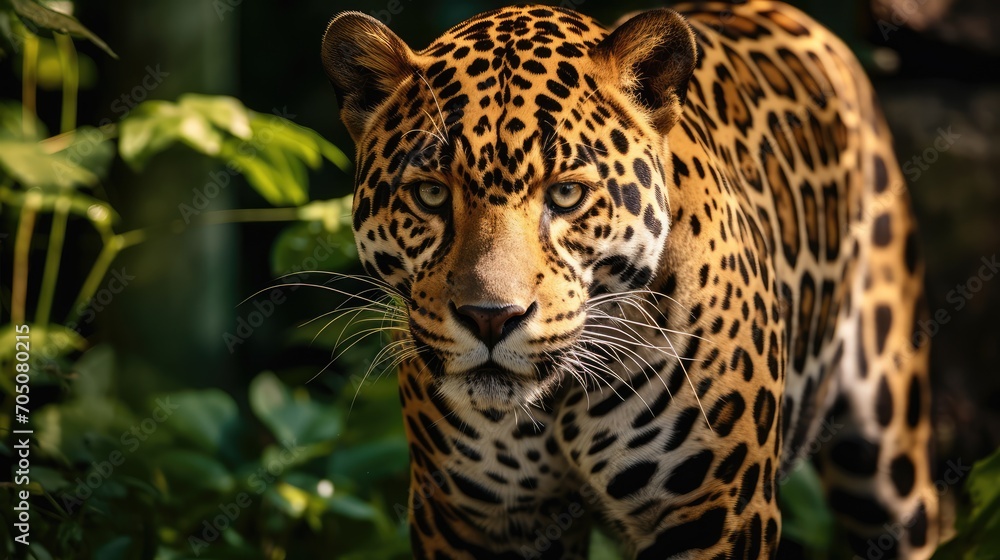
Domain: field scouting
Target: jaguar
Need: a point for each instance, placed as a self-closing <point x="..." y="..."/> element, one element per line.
<point x="638" y="274"/>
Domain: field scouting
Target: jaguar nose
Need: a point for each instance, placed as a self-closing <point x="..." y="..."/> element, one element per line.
<point x="491" y="324"/>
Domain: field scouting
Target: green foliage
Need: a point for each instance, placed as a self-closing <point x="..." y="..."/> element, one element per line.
<point x="321" y="241"/>
<point x="38" y="15"/>
<point x="28" y="164"/>
<point x="806" y="519"/>
<point x="292" y="418"/>
<point x="977" y="535"/>
<point x="269" y="472"/>
<point x="272" y="152"/>
<point x="281" y="465"/>
<point x="54" y="167"/>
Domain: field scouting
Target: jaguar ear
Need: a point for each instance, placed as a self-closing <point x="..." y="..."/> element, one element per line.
<point x="365" y="61"/>
<point x="654" y="54"/>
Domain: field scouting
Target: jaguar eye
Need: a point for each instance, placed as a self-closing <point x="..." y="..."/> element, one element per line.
<point x="564" y="196"/>
<point x="432" y="195"/>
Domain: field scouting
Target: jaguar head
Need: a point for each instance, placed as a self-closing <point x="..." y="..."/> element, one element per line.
<point x="509" y="176"/>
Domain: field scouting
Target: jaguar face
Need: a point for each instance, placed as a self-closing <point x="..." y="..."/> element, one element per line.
<point x="504" y="183"/>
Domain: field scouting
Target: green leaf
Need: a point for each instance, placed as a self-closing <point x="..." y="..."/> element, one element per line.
<point x="308" y="137"/>
<point x="806" y="519"/>
<point x="197" y="132"/>
<point x="28" y="164"/>
<point x="290" y="500"/>
<point x="39" y="552"/>
<point x="270" y="401"/>
<point x="370" y="461"/>
<point x="85" y="429"/>
<point x="95" y="373"/>
<point x="149" y="129"/>
<point x="261" y="176"/>
<point x="47" y="18"/>
<point x="977" y="528"/>
<point x="51" y="480"/>
<point x="115" y="549"/>
<point x="335" y="213"/>
<point x="11" y="115"/>
<point x="292" y="418"/>
<point x="10" y="41"/>
<point x="272" y="153"/>
<point x="90" y="149"/>
<point x="49" y="344"/>
<point x="310" y="246"/>
<point x="984" y="482"/>
<point x="49" y="341"/>
<point x="353" y="508"/>
<point x="301" y="146"/>
<point x="227" y="113"/>
<point x="154" y="125"/>
<point x="603" y="547"/>
<point x="208" y="418"/>
<point x="190" y="469"/>
<point x="289" y="172"/>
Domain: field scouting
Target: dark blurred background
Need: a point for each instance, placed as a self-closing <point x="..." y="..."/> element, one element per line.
<point x="934" y="64"/>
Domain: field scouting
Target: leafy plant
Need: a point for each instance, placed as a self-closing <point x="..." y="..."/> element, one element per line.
<point x="806" y="519"/>
<point x="977" y="529"/>
<point x="272" y="152"/>
<point x="192" y="473"/>
<point x="36" y="14"/>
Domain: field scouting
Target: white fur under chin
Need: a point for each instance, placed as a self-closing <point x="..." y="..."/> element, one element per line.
<point x="499" y="392"/>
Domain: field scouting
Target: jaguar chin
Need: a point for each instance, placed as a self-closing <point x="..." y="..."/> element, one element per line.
<point x="492" y="388"/>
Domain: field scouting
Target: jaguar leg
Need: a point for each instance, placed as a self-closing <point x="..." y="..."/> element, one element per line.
<point x="877" y="466"/>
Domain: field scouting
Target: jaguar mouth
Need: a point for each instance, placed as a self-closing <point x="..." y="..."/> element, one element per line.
<point x="491" y="384"/>
<point x="493" y="380"/>
<point x="489" y="370"/>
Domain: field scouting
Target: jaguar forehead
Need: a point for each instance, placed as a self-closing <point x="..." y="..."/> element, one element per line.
<point x="492" y="92"/>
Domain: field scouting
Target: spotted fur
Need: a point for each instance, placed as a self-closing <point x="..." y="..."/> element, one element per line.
<point x="742" y="265"/>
